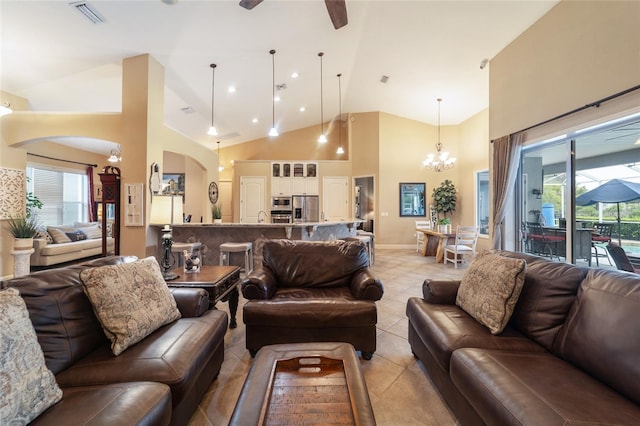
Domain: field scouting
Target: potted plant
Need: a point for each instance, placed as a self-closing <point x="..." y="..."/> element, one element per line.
<point x="23" y="229"/>
<point x="216" y="212"/>
<point x="444" y="225"/>
<point x="444" y="200"/>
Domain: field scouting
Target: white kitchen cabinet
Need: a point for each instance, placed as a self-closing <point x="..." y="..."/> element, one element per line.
<point x="281" y="186"/>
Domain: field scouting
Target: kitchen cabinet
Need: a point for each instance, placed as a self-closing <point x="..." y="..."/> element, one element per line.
<point x="281" y="186"/>
<point x="294" y="178"/>
<point x="305" y="186"/>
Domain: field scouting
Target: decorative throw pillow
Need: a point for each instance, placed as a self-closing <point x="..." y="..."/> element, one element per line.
<point x="490" y="289"/>
<point x="92" y="232"/>
<point x="76" y="235"/>
<point x="59" y="233"/>
<point x="131" y="300"/>
<point x="44" y="235"/>
<point x="28" y="386"/>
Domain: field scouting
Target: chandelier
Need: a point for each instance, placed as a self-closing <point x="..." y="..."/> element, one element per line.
<point x="440" y="160"/>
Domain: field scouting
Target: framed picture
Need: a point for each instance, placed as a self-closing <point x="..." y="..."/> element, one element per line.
<point x="173" y="184"/>
<point x="412" y="200"/>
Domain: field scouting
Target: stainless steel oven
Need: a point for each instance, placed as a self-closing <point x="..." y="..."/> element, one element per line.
<point x="280" y="203"/>
<point x="280" y="216"/>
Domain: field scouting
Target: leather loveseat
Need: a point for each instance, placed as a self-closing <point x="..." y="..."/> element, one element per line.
<point x="159" y="380"/>
<point x="312" y="291"/>
<point x="569" y="354"/>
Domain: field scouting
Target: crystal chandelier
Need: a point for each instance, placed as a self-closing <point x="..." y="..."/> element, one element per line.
<point x="440" y="160"/>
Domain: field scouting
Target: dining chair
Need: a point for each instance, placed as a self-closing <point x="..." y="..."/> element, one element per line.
<point x="464" y="245"/>
<point x="542" y="242"/>
<point x="599" y="238"/>
<point x="620" y="258"/>
<point x="419" y="235"/>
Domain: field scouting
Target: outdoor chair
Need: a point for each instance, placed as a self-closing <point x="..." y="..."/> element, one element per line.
<point x="620" y="258"/>
<point x="600" y="237"/>
<point x="464" y="245"/>
<point x="542" y="243"/>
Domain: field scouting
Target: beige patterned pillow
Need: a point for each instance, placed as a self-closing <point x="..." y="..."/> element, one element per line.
<point x="92" y="232"/>
<point x="490" y="289"/>
<point x="59" y="233"/>
<point x="28" y="386"/>
<point x="131" y="300"/>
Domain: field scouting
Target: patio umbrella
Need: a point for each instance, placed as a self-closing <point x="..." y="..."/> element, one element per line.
<point x="615" y="191"/>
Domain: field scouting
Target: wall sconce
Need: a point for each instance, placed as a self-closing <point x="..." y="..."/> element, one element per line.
<point x="537" y="193"/>
<point x="116" y="155"/>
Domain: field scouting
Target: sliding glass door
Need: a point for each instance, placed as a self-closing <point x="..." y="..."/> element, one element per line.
<point x="554" y="219"/>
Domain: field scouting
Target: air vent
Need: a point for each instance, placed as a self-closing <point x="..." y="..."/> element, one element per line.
<point x="187" y="110"/>
<point x="384" y="79"/>
<point x="281" y="86"/>
<point x="88" y="11"/>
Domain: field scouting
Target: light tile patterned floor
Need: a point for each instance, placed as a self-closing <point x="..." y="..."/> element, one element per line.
<point x="400" y="391"/>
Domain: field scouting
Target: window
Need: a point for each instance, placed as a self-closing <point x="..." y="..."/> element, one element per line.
<point x="64" y="194"/>
<point x="482" y="201"/>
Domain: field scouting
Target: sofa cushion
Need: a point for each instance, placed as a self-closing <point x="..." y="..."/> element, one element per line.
<point x="28" y="386"/>
<point x="59" y="233"/>
<point x="547" y="294"/>
<point x="516" y="388"/>
<point x="131" y="300"/>
<point x="62" y="248"/>
<point x="602" y="332"/>
<point x="445" y="328"/>
<point x="490" y="288"/>
<point x="91" y="232"/>
<point x="314" y="263"/>
<point x="61" y="313"/>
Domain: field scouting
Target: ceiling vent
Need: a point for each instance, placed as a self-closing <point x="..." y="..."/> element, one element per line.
<point x="384" y="79"/>
<point x="88" y="11"/>
<point x="282" y="86"/>
<point x="187" y="110"/>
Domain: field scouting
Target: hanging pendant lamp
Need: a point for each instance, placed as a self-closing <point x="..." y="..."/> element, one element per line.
<point x="212" y="130"/>
<point x="340" y="150"/>
<point x="440" y="160"/>
<point x="322" y="138"/>
<point x="273" y="131"/>
<point x="220" y="166"/>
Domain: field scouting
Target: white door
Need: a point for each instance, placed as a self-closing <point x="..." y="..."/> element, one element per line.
<point x="252" y="197"/>
<point x="335" y="198"/>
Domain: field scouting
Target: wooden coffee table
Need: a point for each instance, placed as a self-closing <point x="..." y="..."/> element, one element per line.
<point x="221" y="282"/>
<point x="304" y="383"/>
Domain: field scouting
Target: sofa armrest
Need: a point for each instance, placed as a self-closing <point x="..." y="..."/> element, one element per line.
<point x="260" y="284"/>
<point x="192" y="302"/>
<point x="441" y="292"/>
<point x="366" y="286"/>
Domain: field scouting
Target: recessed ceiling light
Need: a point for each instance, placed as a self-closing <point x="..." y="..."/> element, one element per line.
<point x="294" y="75"/>
<point x="302" y="109"/>
<point x="232" y="89"/>
<point x="276" y="98"/>
<point x="255" y="120"/>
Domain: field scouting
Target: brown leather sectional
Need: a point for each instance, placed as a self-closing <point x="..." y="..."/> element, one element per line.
<point x="312" y="291"/>
<point x="157" y="381"/>
<point x="570" y="354"/>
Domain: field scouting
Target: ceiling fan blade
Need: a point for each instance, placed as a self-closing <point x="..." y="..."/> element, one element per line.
<point x="249" y="4"/>
<point x="337" y="12"/>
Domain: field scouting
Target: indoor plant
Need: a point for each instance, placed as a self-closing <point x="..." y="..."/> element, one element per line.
<point x="444" y="199"/>
<point x="216" y="211"/>
<point x="23" y="229"/>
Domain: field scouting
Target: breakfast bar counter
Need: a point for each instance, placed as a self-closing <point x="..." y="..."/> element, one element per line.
<point x="211" y="235"/>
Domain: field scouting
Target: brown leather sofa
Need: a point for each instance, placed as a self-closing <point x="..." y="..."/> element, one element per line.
<point x="159" y="380"/>
<point x="569" y="354"/>
<point x="312" y="291"/>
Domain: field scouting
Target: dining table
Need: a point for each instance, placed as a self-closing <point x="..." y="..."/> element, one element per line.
<point x="434" y="242"/>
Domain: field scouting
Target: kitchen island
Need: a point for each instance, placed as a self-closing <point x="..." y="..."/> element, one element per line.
<point x="211" y="235"/>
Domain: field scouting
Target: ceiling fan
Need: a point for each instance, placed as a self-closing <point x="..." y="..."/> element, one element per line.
<point x="337" y="10"/>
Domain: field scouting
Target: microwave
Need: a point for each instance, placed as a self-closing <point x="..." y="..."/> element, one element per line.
<point x="280" y="203"/>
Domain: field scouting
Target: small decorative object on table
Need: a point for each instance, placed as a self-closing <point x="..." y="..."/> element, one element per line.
<point x="168" y="259"/>
<point x="192" y="260"/>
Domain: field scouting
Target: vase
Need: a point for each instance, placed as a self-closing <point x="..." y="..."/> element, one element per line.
<point x="217" y="220"/>
<point x="22" y="243"/>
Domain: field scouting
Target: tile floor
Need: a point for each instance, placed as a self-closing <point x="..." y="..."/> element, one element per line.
<point x="400" y="391"/>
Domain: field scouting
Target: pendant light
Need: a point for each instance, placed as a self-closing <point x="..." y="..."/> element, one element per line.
<point x="340" y="150"/>
<point x="212" y="130"/>
<point x="273" y="131"/>
<point x="440" y="160"/>
<point x="220" y="166"/>
<point x="322" y="138"/>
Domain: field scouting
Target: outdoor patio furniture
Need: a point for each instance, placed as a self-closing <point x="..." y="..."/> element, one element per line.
<point x="620" y="258"/>
<point x="600" y="237"/>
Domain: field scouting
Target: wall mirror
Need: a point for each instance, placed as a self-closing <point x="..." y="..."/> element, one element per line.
<point x="412" y="200"/>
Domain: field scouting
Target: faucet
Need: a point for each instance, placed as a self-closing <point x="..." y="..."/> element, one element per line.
<point x="261" y="220"/>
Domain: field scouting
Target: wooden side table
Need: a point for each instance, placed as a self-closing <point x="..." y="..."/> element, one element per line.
<point x="221" y="282"/>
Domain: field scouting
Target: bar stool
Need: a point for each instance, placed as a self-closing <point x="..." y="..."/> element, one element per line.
<point x="227" y="248"/>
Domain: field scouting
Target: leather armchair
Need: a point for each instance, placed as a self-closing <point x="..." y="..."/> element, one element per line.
<point x="308" y="291"/>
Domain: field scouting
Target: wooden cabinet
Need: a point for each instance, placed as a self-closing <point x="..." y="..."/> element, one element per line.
<point x="305" y="186"/>
<point x="281" y="186"/>
<point x="110" y="179"/>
